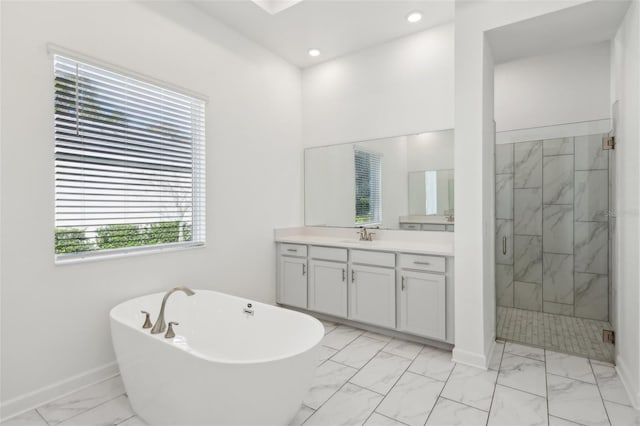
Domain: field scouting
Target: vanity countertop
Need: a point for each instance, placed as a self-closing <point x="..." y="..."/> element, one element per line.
<point x="439" y="220"/>
<point x="441" y="245"/>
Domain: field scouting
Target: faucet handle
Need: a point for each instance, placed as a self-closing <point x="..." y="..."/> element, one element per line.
<point x="371" y="234"/>
<point x="147" y="320"/>
<point x="170" y="333"/>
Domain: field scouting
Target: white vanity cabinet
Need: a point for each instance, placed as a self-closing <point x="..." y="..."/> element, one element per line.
<point x="328" y="280"/>
<point x="409" y="292"/>
<point x="292" y="275"/>
<point x="372" y="288"/>
<point x="422" y="295"/>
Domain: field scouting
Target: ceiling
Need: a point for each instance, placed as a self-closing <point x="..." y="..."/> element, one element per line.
<point x="334" y="27"/>
<point x="587" y="23"/>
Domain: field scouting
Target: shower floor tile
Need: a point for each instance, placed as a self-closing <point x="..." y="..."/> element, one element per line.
<point x="560" y="333"/>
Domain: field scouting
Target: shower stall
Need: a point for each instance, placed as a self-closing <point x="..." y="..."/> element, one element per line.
<point x="552" y="244"/>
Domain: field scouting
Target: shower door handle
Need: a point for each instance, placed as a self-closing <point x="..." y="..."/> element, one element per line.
<point x="504" y="245"/>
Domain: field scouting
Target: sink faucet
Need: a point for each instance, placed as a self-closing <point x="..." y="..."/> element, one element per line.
<point x="160" y="326"/>
<point x="365" y="235"/>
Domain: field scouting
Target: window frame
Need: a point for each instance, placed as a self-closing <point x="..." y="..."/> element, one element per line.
<point x="197" y="187"/>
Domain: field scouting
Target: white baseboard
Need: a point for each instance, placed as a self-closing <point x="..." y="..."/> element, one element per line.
<point x="627" y="382"/>
<point x="473" y="359"/>
<point x="551" y="132"/>
<point x="31" y="400"/>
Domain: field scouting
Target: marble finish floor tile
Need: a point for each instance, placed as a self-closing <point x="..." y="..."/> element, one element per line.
<point x="357" y="353"/>
<point x="110" y="413"/>
<point x="381" y="373"/>
<point x="403" y="348"/>
<point x="451" y="413"/>
<point x="496" y="357"/>
<point x="301" y="416"/>
<point x="82" y="400"/>
<point x="471" y="386"/>
<point x="133" y="421"/>
<point x="30" y="418"/>
<point x="434" y="363"/>
<point x="378" y="336"/>
<point x="576" y="401"/>
<point x="351" y="405"/>
<point x="621" y="414"/>
<point x="513" y="407"/>
<point x="559" y="333"/>
<point x="557" y="421"/>
<point x="328" y="326"/>
<point x="569" y="366"/>
<point x="391" y="390"/>
<point x="411" y="399"/>
<point x="524" y="374"/>
<point x="609" y="383"/>
<point x="376" y="419"/>
<point x="340" y="337"/>
<point x="329" y="377"/>
<point x="324" y="353"/>
<point x="525" y="351"/>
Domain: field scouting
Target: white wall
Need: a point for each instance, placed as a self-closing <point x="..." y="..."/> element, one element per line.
<point x="430" y="151"/>
<point x="474" y="169"/>
<point x="564" y="87"/>
<point x="401" y="87"/>
<point x="626" y="90"/>
<point x="55" y="318"/>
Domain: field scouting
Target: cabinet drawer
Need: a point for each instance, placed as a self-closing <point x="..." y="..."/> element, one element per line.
<point x="376" y="258"/>
<point x="433" y="227"/>
<point x="298" y="250"/>
<point x="328" y="253"/>
<point x="415" y="226"/>
<point x="422" y="262"/>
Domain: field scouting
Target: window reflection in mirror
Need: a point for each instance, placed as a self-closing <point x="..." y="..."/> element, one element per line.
<point x="381" y="192"/>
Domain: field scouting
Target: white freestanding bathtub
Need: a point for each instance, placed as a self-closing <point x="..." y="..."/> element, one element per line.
<point x="224" y="367"/>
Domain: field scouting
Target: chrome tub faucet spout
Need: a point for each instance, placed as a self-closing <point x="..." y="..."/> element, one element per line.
<point x="160" y="326"/>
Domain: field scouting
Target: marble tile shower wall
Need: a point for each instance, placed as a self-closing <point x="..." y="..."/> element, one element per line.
<point x="552" y="226"/>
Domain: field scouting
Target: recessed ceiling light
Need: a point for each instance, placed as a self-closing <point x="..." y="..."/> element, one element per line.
<point x="314" y="52"/>
<point x="414" y="17"/>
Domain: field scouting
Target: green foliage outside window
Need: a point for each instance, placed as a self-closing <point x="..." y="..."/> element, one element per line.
<point x="71" y="240"/>
<point x="75" y="240"/>
<point x="116" y="236"/>
<point x="161" y="232"/>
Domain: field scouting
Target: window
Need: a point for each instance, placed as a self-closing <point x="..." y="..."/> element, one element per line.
<point x="129" y="163"/>
<point x="368" y="166"/>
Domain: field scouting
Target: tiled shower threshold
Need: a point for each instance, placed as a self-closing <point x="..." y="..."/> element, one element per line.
<point x="559" y="333"/>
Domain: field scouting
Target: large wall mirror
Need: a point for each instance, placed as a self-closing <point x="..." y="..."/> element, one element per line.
<point x="381" y="182"/>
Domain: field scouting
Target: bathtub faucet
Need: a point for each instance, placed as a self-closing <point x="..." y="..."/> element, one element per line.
<point x="160" y="326"/>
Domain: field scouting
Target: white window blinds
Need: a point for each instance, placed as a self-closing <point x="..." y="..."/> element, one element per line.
<point x="368" y="196"/>
<point x="129" y="162"/>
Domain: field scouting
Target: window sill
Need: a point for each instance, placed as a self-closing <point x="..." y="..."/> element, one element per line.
<point x="123" y="253"/>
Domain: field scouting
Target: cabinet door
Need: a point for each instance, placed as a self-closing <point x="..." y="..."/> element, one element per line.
<point x="328" y="287"/>
<point x="292" y="285"/>
<point x="372" y="296"/>
<point x="422" y="304"/>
